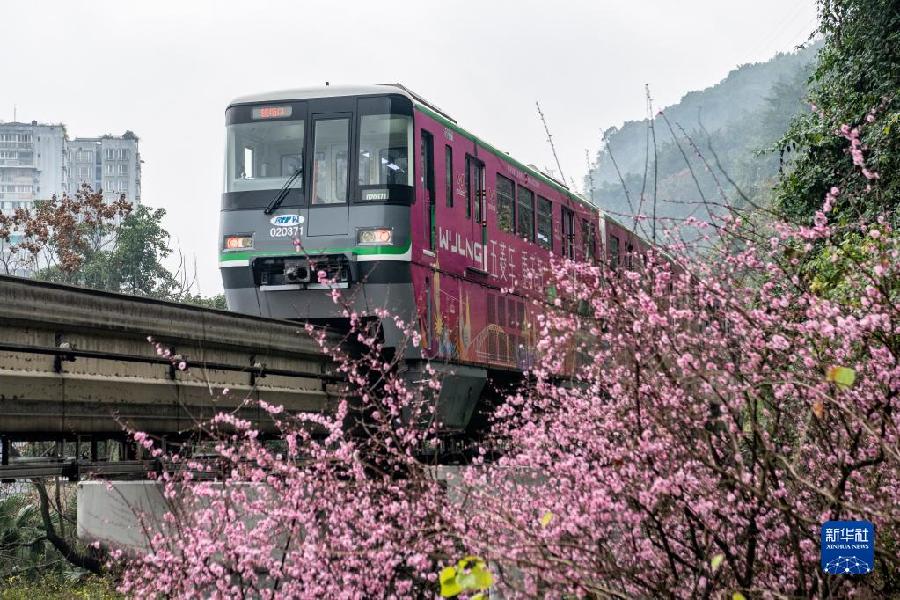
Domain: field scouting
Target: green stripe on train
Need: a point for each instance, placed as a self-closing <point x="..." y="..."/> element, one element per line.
<point x="366" y="250"/>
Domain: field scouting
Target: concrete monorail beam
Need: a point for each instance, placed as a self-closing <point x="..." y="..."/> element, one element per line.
<point x="76" y="362"/>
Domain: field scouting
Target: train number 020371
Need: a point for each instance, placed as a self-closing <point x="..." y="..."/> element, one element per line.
<point x="279" y="232"/>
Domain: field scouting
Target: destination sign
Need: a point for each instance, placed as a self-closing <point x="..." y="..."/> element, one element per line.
<point x="270" y="112"/>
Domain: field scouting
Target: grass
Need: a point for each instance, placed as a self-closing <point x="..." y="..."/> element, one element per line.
<point x="55" y="587"/>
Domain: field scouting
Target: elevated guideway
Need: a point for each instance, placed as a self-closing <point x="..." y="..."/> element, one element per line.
<point x="76" y="363"/>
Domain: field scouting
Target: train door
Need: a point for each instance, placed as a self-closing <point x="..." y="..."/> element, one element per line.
<point x="475" y="179"/>
<point x="429" y="186"/>
<point x="329" y="186"/>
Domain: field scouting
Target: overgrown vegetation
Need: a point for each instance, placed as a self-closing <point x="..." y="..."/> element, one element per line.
<point x="855" y="86"/>
<point x="37" y="540"/>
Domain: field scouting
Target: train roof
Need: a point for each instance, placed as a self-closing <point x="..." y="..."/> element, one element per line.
<point x="322" y="91"/>
<point x="334" y="91"/>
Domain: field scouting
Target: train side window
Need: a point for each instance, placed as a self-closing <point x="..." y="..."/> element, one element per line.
<point x="568" y="232"/>
<point x="428" y="183"/>
<point x="613" y="252"/>
<point x="587" y="240"/>
<point x="545" y="223"/>
<point x="448" y="175"/>
<point x="505" y="208"/>
<point x="477" y="179"/>
<point x="525" y="213"/>
<point x="468" y="186"/>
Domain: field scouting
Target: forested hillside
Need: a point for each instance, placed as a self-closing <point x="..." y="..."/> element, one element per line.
<point x="735" y="121"/>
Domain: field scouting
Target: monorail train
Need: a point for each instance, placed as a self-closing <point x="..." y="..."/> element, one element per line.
<point x="407" y="211"/>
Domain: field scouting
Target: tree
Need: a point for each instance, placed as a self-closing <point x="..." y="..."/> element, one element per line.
<point x="61" y="234"/>
<point x="71" y="231"/>
<point x="135" y="264"/>
<point x="853" y="92"/>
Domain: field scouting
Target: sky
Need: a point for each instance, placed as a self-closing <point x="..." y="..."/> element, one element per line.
<point x="167" y="70"/>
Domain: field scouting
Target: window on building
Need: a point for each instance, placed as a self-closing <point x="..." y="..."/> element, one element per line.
<point x="505" y="204"/>
<point x="448" y="175"/>
<point x="110" y="153"/>
<point x="123" y="185"/>
<point x="568" y="232"/>
<point x="587" y="240"/>
<point x="613" y="252"/>
<point x="545" y="223"/>
<point x="123" y="153"/>
<point x="525" y="213"/>
<point x="109" y="185"/>
<point x="629" y="257"/>
<point x="110" y="169"/>
<point x="123" y="169"/>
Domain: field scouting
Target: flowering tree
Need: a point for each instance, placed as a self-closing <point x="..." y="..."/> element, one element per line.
<point x="336" y="503"/>
<point x="725" y="414"/>
<point x="691" y="424"/>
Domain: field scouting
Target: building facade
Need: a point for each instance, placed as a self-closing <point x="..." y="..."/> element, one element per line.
<point x="38" y="161"/>
<point x="33" y="163"/>
<point x="109" y="163"/>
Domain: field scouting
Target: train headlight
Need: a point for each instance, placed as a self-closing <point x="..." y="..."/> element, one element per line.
<point x="238" y="242"/>
<point x="367" y="237"/>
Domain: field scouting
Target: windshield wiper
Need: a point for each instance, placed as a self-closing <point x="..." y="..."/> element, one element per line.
<point x="282" y="193"/>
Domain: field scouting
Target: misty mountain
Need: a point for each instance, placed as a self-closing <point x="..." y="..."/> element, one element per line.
<point x="735" y="121"/>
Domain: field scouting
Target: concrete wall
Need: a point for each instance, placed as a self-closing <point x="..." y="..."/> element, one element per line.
<point x="119" y="513"/>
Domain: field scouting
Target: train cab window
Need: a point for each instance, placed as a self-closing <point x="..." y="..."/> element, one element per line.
<point x="568" y="232"/>
<point x="588" y="244"/>
<point x="448" y="176"/>
<point x="384" y="142"/>
<point x="505" y="208"/>
<point x="613" y="252"/>
<point x="263" y="156"/>
<point x="545" y="223"/>
<point x="332" y="144"/>
<point x="525" y="213"/>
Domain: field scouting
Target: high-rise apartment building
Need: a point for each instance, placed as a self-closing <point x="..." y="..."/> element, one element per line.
<point x="33" y="163"/>
<point x="109" y="163"/>
<point x="38" y="161"/>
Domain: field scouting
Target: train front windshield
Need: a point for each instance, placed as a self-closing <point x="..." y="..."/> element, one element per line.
<point x="263" y="156"/>
<point x="264" y="153"/>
